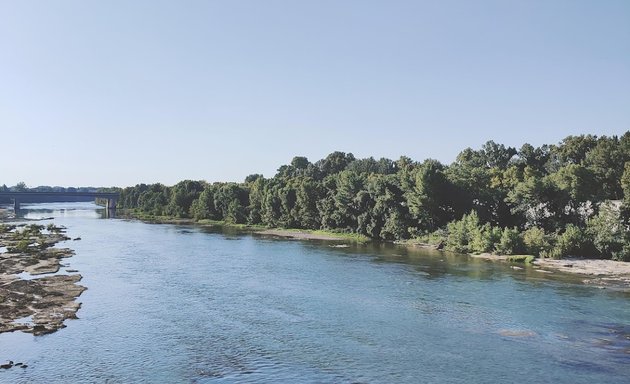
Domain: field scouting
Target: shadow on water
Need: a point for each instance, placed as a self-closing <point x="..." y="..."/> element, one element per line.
<point x="434" y="264"/>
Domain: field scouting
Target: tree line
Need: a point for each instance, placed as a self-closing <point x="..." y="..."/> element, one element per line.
<point x="571" y="198"/>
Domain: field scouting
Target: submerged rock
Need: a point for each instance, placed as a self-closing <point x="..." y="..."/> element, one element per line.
<point x="517" y="333"/>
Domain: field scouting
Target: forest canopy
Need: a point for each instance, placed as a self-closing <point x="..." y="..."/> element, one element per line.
<point x="571" y="198"/>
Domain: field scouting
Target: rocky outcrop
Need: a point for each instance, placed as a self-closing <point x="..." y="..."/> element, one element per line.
<point x="31" y="304"/>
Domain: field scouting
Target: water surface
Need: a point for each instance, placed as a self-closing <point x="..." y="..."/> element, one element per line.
<point x="182" y="304"/>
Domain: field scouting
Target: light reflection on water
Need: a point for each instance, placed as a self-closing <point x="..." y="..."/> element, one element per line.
<point x="180" y="304"/>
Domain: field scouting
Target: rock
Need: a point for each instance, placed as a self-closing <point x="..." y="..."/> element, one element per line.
<point x="516" y="333"/>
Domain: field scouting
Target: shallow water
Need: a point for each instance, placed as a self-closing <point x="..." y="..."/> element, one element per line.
<point x="182" y="304"/>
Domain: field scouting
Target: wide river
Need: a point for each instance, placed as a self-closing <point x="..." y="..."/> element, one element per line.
<point x="181" y="304"/>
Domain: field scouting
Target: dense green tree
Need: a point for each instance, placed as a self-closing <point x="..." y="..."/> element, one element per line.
<point x="182" y="196"/>
<point x="271" y="207"/>
<point x="534" y="158"/>
<point x="154" y="199"/>
<point x="609" y="234"/>
<point x="573" y="149"/>
<point x="606" y="161"/>
<point x="625" y="183"/>
<point x="553" y="193"/>
<point x="497" y="155"/>
<point x="299" y="166"/>
<point x="203" y="207"/>
<point x="539" y="202"/>
<point x="389" y="217"/>
<point x="429" y="196"/>
<point x="256" y="200"/>
<point x="252" y="178"/>
<point x="334" y="163"/>
<point x="476" y="188"/>
<point x="308" y="193"/>
<point x="230" y="200"/>
<point x="347" y="185"/>
<point x="382" y="166"/>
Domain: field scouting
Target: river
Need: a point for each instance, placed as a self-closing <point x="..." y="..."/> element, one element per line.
<point x="181" y="304"/>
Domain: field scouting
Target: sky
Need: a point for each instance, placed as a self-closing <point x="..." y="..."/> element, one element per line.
<point x="116" y="93"/>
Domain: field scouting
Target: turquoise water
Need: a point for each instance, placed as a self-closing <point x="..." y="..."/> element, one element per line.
<point x="177" y="304"/>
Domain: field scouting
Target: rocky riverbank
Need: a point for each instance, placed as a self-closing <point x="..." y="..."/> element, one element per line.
<point x="28" y="303"/>
<point x="600" y="273"/>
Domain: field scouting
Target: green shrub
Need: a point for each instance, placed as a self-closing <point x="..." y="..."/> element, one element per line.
<point x="623" y="254"/>
<point x="22" y="246"/>
<point x="535" y="241"/>
<point x="572" y="242"/>
<point x="433" y="238"/>
<point x="510" y="242"/>
<point x="527" y="259"/>
<point x="608" y="233"/>
<point x="485" y="238"/>
<point x="461" y="232"/>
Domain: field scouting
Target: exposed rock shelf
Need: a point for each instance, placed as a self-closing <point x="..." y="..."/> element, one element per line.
<point x="36" y="305"/>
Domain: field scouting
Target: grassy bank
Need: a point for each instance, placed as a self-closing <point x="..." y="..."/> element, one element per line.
<point x="296" y="233"/>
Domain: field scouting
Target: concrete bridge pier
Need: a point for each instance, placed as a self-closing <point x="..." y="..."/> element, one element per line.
<point x="16" y="204"/>
<point x="111" y="203"/>
<point x="110" y="208"/>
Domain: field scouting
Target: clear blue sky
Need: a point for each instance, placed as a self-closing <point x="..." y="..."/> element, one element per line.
<point x="109" y="93"/>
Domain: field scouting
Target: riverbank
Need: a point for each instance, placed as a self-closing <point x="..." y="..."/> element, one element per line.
<point x="30" y="303"/>
<point x="596" y="272"/>
<point x="600" y="273"/>
<point x="289" y="233"/>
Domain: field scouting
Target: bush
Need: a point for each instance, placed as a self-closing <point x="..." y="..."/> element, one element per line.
<point x="527" y="259"/>
<point x="510" y="242"/>
<point x="22" y="246"/>
<point x="573" y="242"/>
<point x="461" y="232"/>
<point x="623" y="254"/>
<point x="434" y="238"/>
<point x="608" y="233"/>
<point x="485" y="238"/>
<point x="535" y="241"/>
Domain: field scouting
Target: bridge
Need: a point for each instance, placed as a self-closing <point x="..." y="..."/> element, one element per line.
<point x="41" y="197"/>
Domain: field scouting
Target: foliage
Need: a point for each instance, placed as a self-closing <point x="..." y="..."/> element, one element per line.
<point x="22" y="246"/>
<point x="541" y="200"/>
<point x="625" y="183"/>
<point x="535" y="241"/>
<point x="572" y="242"/>
<point x="510" y="242"/>
<point x="609" y="234"/>
<point x="526" y="259"/>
